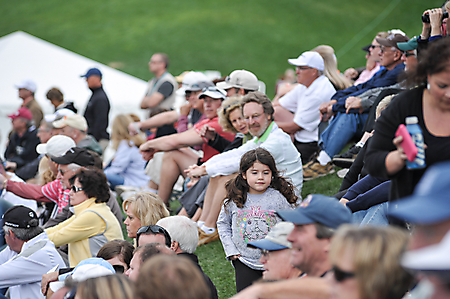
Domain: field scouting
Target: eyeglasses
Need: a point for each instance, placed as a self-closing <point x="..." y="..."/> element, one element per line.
<point x="76" y="189"/>
<point x="265" y="252"/>
<point x="302" y="68"/>
<point x="341" y="275"/>
<point x="155" y="230"/>
<point x="409" y="54"/>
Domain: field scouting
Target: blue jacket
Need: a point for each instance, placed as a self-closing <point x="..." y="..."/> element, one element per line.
<point x="380" y="79"/>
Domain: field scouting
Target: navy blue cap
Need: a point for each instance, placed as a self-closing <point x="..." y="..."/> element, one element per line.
<point x="430" y="202"/>
<point x="92" y="72"/>
<point x="317" y="208"/>
<point x="276" y="239"/>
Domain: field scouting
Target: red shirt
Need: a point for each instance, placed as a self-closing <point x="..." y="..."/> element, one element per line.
<point x="208" y="151"/>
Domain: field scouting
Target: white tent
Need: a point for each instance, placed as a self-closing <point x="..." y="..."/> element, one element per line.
<point x="23" y="56"/>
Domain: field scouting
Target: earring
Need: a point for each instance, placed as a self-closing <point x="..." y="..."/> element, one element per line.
<point x="428" y="86"/>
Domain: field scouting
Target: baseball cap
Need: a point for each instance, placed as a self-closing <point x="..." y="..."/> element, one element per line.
<point x="58" y="114"/>
<point x="75" y="121"/>
<point x="56" y="146"/>
<point x="317" y="208"/>
<point x="92" y="72"/>
<point x="240" y="79"/>
<point x="22" y="112"/>
<point x="409" y="45"/>
<point x="432" y="191"/>
<point x="190" y="78"/>
<point x="88" y="268"/>
<point x="276" y="239"/>
<point x="213" y="92"/>
<point x="20" y="217"/>
<point x="76" y="155"/>
<point x="431" y="258"/>
<point x="392" y="40"/>
<point x="199" y="86"/>
<point x="309" y="58"/>
<point x="27" y="84"/>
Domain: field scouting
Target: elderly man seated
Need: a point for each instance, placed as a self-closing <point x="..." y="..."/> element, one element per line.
<point x="298" y="110"/>
<point x="29" y="255"/>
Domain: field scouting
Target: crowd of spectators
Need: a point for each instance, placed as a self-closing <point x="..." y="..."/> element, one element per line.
<point x="76" y="226"/>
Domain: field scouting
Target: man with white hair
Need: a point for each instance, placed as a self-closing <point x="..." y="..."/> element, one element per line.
<point x="184" y="234"/>
<point x="298" y="111"/>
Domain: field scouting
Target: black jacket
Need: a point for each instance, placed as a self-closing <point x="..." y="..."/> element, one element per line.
<point x="96" y="114"/>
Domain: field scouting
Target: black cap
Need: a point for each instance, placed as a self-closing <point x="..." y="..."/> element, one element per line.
<point x="20" y="217"/>
<point x="76" y="155"/>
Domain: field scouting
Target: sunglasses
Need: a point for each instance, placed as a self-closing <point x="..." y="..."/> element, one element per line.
<point x="374" y="46"/>
<point x="234" y="104"/>
<point x="341" y="275"/>
<point x="155" y="230"/>
<point x="408" y="54"/>
<point x="119" y="269"/>
<point x="302" y="67"/>
<point x="265" y="252"/>
<point x="76" y="189"/>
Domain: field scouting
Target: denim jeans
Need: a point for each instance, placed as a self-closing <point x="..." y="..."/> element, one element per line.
<point x="342" y="128"/>
<point x="375" y="216"/>
<point x="114" y="180"/>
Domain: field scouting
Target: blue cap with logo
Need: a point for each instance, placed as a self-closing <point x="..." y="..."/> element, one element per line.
<point x="276" y="239"/>
<point x="430" y="202"/>
<point x="92" y="72"/>
<point x="317" y="208"/>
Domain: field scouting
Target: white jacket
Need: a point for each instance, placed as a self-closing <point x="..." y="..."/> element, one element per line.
<point x="22" y="272"/>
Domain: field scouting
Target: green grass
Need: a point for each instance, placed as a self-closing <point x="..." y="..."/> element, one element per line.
<point x="258" y="35"/>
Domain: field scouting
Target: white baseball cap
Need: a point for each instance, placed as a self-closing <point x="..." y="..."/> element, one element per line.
<point x="27" y="84"/>
<point x="56" y="146"/>
<point x="59" y="113"/>
<point x="189" y="79"/>
<point x="240" y="79"/>
<point x="309" y="58"/>
<point x="75" y="121"/>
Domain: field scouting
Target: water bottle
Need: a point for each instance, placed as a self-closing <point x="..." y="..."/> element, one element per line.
<point x="416" y="133"/>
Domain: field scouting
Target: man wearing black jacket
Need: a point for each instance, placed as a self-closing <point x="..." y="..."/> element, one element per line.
<point x="97" y="109"/>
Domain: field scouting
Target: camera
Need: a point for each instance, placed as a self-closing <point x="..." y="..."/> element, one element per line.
<point x="426" y="17"/>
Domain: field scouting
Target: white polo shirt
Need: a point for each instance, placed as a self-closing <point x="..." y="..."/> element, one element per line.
<point x="306" y="101"/>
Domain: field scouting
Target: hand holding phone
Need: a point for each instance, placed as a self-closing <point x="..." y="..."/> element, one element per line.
<point x="407" y="144"/>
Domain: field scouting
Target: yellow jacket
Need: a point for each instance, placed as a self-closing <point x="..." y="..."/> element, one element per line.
<point x="92" y="225"/>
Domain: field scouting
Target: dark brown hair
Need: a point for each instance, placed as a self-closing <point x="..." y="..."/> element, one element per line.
<point x="120" y="248"/>
<point x="94" y="184"/>
<point x="237" y="188"/>
<point x="55" y="94"/>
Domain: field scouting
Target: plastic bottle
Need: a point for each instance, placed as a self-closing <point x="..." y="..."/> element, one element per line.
<point x="416" y="133"/>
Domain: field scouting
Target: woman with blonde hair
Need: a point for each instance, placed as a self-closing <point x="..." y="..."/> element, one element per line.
<point x="366" y="263"/>
<point x="105" y="287"/>
<point x="128" y="166"/>
<point x="331" y="71"/>
<point x="142" y="209"/>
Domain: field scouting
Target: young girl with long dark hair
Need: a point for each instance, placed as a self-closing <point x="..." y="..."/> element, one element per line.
<point x="248" y="213"/>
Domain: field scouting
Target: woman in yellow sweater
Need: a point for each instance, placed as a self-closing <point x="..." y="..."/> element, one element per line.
<point x="93" y="223"/>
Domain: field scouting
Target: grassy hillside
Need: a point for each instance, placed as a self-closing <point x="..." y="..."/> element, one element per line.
<point x="258" y="35"/>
